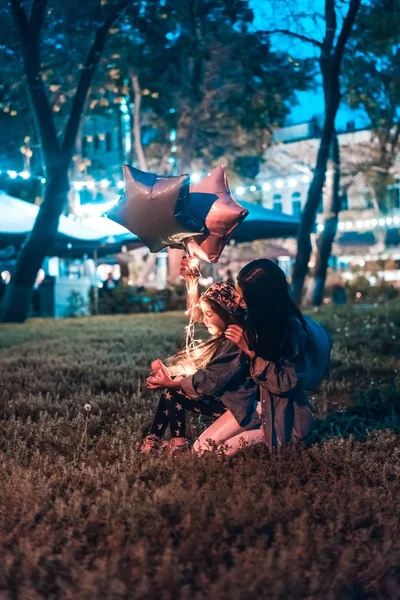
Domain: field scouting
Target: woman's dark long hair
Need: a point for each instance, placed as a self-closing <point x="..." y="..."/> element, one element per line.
<point x="269" y="307"/>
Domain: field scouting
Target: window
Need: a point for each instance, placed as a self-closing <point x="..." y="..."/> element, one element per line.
<point x="392" y="197"/>
<point x="108" y="142"/>
<point x="367" y="199"/>
<point x="296" y="203"/>
<point x="96" y="140"/>
<point x="277" y="203"/>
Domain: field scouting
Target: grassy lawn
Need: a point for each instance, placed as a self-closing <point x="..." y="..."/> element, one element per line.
<point x="85" y="516"/>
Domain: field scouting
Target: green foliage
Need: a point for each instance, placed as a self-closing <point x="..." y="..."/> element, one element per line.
<point x="371" y="71"/>
<point x="383" y="291"/>
<point x="319" y="521"/>
<point x="77" y="305"/>
<point x="207" y="73"/>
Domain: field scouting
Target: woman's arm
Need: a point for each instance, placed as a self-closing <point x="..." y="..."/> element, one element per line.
<point x="278" y="378"/>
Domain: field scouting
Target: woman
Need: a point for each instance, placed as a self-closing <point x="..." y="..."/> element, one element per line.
<point x="275" y="339"/>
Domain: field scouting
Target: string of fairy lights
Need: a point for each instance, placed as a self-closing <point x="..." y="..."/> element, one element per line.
<point x="239" y="191"/>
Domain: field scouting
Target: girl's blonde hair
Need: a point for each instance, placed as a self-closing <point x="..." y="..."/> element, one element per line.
<point x="193" y="359"/>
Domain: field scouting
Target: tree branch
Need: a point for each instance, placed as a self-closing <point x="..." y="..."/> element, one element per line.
<point x="20" y="19"/>
<point x="345" y="32"/>
<point x="37" y="17"/>
<point x="330" y="27"/>
<point x="86" y="77"/>
<point x="31" y="59"/>
<point x="298" y="36"/>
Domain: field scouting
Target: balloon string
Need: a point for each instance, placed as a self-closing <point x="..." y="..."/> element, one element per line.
<point x="191" y="287"/>
<point x="190" y="328"/>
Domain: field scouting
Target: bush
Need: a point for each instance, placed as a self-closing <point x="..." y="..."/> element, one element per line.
<point x="383" y="291"/>
<point x="126" y="299"/>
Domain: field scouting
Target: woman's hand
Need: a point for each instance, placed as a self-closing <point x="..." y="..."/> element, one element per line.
<point x="190" y="269"/>
<point x="235" y="334"/>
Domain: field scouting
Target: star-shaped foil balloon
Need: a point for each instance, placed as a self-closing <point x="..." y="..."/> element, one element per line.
<point x="156" y="209"/>
<point x="211" y="200"/>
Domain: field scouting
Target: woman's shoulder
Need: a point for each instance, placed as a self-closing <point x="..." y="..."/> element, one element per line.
<point x="296" y="339"/>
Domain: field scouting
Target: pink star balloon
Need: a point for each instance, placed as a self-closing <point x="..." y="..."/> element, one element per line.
<point x="224" y="214"/>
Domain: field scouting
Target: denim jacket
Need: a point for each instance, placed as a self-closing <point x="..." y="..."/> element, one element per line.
<point x="227" y="377"/>
<point x="286" y="412"/>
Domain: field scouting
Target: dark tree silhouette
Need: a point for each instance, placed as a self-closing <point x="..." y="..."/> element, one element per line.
<point x="57" y="150"/>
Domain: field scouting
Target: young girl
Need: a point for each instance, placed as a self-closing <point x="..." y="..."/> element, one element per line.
<point x="212" y="379"/>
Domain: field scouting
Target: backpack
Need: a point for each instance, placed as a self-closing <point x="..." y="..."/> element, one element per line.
<point x="318" y="353"/>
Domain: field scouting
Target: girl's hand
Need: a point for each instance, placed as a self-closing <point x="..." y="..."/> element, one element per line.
<point x="235" y="334"/>
<point x="159" y="380"/>
<point x="158" y="365"/>
<point x="190" y="269"/>
<point x="158" y="372"/>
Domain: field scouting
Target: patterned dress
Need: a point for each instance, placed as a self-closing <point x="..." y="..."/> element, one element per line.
<point x="224" y="384"/>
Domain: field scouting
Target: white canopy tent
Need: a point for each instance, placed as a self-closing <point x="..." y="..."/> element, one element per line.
<point x="17" y="218"/>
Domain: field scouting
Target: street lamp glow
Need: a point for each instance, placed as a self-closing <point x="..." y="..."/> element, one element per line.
<point x="266" y="186"/>
<point x="43" y="180"/>
<point x="195" y="177"/>
<point x="78" y="185"/>
<point x="292" y="182"/>
<point x="121" y="185"/>
<point x="12" y="174"/>
<point x="341" y="226"/>
<point x="240" y="190"/>
<point x="90" y="185"/>
<point x="349" y="225"/>
<point x="359" y="224"/>
<point x="381" y="222"/>
<point x="396" y="220"/>
<point x="279" y="184"/>
<point x="374" y="222"/>
<point x="253" y="188"/>
<point x="104" y="183"/>
<point x="320" y="227"/>
<point x="389" y="220"/>
<point x="25" y="174"/>
<point x="306" y="179"/>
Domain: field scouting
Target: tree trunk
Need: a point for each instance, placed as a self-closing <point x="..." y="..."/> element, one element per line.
<point x="313" y="200"/>
<point x="380" y="182"/>
<point x="16" y="301"/>
<point x="330" y="63"/>
<point x="330" y="227"/>
<point x="137" y="125"/>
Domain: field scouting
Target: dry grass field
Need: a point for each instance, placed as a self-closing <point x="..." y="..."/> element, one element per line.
<point x="83" y="515"/>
